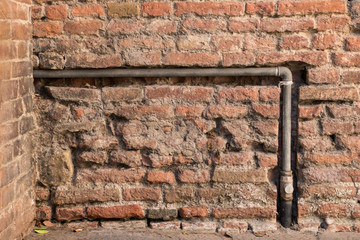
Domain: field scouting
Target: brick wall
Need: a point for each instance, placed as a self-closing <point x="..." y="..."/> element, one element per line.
<point x="203" y="149"/>
<point x="17" y="205"/>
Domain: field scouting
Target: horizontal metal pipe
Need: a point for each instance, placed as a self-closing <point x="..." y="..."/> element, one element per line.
<point x="162" y="72"/>
<point x="286" y="183"/>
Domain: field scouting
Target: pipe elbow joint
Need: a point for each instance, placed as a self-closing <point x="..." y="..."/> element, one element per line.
<point x="285" y="73"/>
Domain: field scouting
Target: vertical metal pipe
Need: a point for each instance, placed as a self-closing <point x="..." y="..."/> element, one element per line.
<point x="286" y="177"/>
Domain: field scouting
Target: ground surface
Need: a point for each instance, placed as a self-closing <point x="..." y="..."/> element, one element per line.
<point x="148" y="234"/>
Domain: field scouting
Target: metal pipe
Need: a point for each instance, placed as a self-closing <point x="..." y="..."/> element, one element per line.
<point x="286" y="179"/>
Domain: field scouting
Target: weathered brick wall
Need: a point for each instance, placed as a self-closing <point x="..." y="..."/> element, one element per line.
<point x="17" y="198"/>
<point x="165" y="143"/>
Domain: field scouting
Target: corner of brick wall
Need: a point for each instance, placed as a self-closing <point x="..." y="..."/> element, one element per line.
<point x="17" y="174"/>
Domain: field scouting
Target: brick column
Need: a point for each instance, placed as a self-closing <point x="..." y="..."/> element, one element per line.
<point x="16" y="119"/>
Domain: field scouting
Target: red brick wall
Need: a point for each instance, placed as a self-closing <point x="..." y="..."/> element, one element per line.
<point x="112" y="135"/>
<point x="16" y="120"/>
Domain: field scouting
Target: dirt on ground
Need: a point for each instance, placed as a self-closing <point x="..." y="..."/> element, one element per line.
<point x="149" y="234"/>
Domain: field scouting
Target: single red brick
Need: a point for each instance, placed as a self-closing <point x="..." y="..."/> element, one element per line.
<point x="329" y="158"/>
<point x="91" y="60"/>
<point x="122" y="211"/>
<point x="110" y="176"/>
<point x="310" y="112"/>
<point x="139" y="142"/>
<point x="351" y="76"/>
<point x="333" y="210"/>
<point x="83" y="27"/>
<point x="326" y="192"/>
<point x="223" y="111"/>
<point x="239" y="94"/>
<point x="353" y="44"/>
<point x="160" y="177"/>
<point x="57" y="12"/>
<point x="239" y="59"/>
<point x="210" y="8"/>
<point x="336" y="23"/>
<point x="195" y="211"/>
<point x="196" y="176"/>
<point x="70" y="214"/>
<point x="156" y="9"/>
<point x="204" y="25"/>
<point x="239" y="176"/>
<point x="245" y="213"/>
<point x="329" y="93"/>
<point x="142" y="194"/>
<point x="162" y="26"/>
<point x="144" y="58"/>
<point x="286" y="24"/>
<point x="244" y="25"/>
<point x="189" y="111"/>
<point x="323" y="75"/>
<point x="261" y="8"/>
<point x="331" y="175"/>
<point x="85" y="195"/>
<point x="94" y="10"/>
<point x="190" y="94"/>
<point x="309" y="57"/>
<point x="192" y="59"/>
<point x="227" y="43"/>
<point x="124" y="27"/>
<point x="261" y="43"/>
<point x="138" y="112"/>
<point x="43" y="213"/>
<point x="291" y="8"/>
<point x="294" y="42"/>
<point x="324" y="41"/>
<point x="47" y="29"/>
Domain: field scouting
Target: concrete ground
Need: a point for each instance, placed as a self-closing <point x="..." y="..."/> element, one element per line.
<point x="149" y="234"/>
